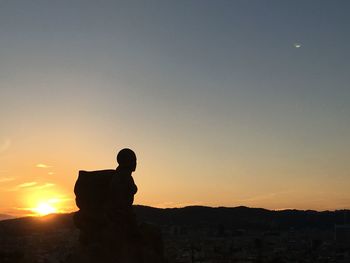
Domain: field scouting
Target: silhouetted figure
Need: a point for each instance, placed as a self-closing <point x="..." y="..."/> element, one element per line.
<point x="122" y="187"/>
<point x="108" y="228"/>
<point x="127" y="241"/>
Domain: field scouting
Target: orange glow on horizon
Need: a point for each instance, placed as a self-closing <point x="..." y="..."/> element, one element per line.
<point x="40" y="201"/>
<point x="44" y="208"/>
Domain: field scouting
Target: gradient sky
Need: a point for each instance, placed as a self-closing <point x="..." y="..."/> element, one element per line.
<point x="220" y="106"/>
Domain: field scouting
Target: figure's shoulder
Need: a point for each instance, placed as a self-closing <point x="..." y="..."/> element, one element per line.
<point x="107" y="172"/>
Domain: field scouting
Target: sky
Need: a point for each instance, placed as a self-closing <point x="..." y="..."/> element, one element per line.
<point x="225" y="103"/>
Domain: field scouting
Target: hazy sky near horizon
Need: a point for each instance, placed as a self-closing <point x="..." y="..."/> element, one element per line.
<point x="215" y="98"/>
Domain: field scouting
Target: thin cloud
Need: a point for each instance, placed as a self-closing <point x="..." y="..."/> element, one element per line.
<point x="59" y="200"/>
<point x="27" y="185"/>
<point x="44" y="186"/>
<point x="24" y="185"/>
<point x="31" y="186"/>
<point x="23" y="211"/>
<point x="22" y="208"/>
<point x="6" y="179"/>
<point x="44" y="166"/>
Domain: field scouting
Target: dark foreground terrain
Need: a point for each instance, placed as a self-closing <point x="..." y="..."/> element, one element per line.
<point x="198" y="234"/>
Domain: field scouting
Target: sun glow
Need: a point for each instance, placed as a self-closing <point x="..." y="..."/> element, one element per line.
<point x="44" y="209"/>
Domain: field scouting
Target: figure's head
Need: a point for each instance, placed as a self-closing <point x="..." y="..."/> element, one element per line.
<point x="126" y="158"/>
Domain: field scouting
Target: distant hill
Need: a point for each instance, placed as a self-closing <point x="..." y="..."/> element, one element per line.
<point x="30" y="225"/>
<point x="194" y="216"/>
<point x="242" y="217"/>
<point x="5" y="217"/>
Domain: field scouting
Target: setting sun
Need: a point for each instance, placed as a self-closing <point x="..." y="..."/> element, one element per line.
<point x="45" y="209"/>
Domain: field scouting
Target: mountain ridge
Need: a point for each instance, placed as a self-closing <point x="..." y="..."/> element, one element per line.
<point x="5" y="217"/>
<point x="240" y="217"/>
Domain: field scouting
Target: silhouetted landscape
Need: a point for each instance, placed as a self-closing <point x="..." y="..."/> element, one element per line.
<point x="198" y="234"/>
<point x="238" y="217"/>
<point x="196" y="216"/>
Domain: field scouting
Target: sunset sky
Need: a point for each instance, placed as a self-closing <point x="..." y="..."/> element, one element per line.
<point x="225" y="103"/>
